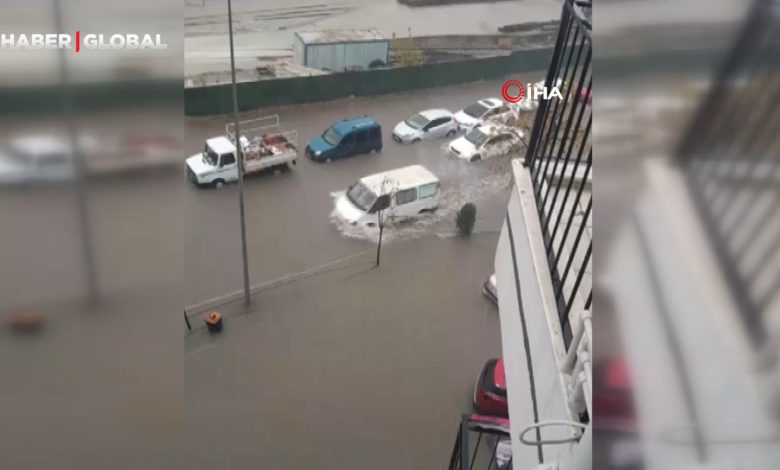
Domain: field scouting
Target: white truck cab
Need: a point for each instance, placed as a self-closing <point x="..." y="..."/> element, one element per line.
<point x="399" y="194"/>
<point x="263" y="144"/>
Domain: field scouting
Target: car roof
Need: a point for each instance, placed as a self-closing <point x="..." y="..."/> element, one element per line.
<point x="491" y="102"/>
<point x="346" y="125"/>
<point x="41" y="144"/>
<point x="221" y="145"/>
<point x="431" y="114"/>
<point x="402" y="178"/>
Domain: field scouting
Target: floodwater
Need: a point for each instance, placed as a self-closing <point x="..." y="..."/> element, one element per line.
<point x="288" y="215"/>
<point x="266" y="28"/>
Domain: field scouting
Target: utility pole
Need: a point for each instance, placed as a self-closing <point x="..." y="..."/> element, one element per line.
<point x="239" y="157"/>
<point x="82" y="213"/>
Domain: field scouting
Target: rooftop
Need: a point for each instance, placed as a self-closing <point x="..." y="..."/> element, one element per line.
<point x="340" y="35"/>
<point x="410" y="176"/>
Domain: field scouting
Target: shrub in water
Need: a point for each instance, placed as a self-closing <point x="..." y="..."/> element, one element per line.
<point x="465" y="219"/>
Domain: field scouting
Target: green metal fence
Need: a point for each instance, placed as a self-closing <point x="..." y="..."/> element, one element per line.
<point x="286" y="91"/>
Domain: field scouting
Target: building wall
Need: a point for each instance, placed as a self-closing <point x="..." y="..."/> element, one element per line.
<point x="531" y="346"/>
<point x="344" y="56"/>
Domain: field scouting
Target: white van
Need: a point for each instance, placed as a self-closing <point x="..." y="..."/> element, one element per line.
<point x="401" y="193"/>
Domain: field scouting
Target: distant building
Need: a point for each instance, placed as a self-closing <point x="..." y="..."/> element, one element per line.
<point x="341" y="50"/>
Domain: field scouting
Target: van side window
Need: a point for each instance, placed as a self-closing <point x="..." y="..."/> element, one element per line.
<point x="362" y="136"/>
<point x="228" y="159"/>
<point x="427" y="190"/>
<point x="406" y="196"/>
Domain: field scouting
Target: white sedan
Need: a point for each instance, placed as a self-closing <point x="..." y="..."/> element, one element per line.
<point x="428" y="124"/>
<point x="481" y="112"/>
<point x="486" y="142"/>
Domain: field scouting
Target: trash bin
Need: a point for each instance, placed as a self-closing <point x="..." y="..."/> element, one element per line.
<point x="214" y="322"/>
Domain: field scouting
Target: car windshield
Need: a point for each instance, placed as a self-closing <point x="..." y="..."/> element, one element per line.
<point x="476" y="110"/>
<point x="210" y="156"/>
<point x="331" y="136"/>
<point x="476" y="137"/>
<point x="418" y="121"/>
<point x="362" y="197"/>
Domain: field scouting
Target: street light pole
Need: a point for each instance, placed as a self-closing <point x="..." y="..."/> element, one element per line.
<point x="239" y="157"/>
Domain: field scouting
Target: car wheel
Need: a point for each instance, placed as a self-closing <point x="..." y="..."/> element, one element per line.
<point x="328" y="160"/>
<point x="414" y="141"/>
<point x="476" y="158"/>
<point x="219" y="184"/>
<point x="451" y="133"/>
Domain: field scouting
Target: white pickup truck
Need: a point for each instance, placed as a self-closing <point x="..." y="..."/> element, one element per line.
<point x="263" y="144"/>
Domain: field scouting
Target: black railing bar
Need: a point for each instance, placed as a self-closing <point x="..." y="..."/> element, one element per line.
<point x="541" y="111"/>
<point x="568" y="134"/>
<point x="581" y="22"/>
<point x="750" y="118"/>
<point x="552" y="131"/>
<point x="577" y="163"/>
<point x="771" y="210"/>
<point x="577" y="283"/>
<point x="572" y="139"/>
<point x="757" y="17"/>
<point x="576" y="244"/>
<point x="464" y="444"/>
<point x="455" y="451"/>
<point x="476" y="451"/>
<point x="745" y="305"/>
<point x="493" y="455"/>
<point x="589" y="300"/>
<point x="576" y="204"/>
<point x="767" y="255"/>
<point x="765" y="130"/>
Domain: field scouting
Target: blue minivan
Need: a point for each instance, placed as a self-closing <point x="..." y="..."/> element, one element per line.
<point x="346" y="138"/>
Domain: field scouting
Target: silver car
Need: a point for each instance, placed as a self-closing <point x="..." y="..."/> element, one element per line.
<point x="428" y="124"/>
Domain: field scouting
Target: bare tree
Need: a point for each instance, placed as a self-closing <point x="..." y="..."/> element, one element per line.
<point x="382" y="205"/>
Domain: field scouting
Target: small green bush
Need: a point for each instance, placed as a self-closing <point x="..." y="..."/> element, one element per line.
<point x="465" y="219"/>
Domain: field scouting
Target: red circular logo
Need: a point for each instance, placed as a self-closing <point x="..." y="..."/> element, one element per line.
<point x="507" y="88"/>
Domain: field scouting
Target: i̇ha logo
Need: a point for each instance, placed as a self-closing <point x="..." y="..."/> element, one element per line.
<point x="78" y="41"/>
<point x="515" y="91"/>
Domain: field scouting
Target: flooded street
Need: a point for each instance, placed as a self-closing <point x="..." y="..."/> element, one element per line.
<point x="339" y="364"/>
<point x="289" y="228"/>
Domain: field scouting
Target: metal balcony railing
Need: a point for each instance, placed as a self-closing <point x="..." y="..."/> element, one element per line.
<point x="560" y="159"/>
<point x="482" y="442"/>
<point x="731" y="157"/>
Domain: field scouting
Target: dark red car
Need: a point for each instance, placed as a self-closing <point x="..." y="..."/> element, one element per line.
<point x="490" y="390"/>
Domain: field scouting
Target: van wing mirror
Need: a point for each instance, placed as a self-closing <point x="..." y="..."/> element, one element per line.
<point x="381" y="203"/>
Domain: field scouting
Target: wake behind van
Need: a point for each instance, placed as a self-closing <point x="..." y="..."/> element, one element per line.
<point x="346" y="138"/>
<point x="401" y="193"/>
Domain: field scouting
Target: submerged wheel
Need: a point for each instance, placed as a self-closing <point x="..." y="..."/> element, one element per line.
<point x="476" y="158"/>
<point x="219" y="184"/>
<point x="451" y="133"/>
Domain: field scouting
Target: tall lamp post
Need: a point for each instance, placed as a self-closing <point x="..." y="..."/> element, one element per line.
<point x="239" y="157"/>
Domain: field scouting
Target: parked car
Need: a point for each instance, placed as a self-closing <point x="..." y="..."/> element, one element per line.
<point x="486" y="142"/>
<point x="402" y="193"/>
<point x="479" y="113"/>
<point x="489" y="288"/>
<point x="490" y="390"/>
<point x="38" y="158"/>
<point x="428" y="124"/>
<point x="263" y="144"/>
<point x="345" y="139"/>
